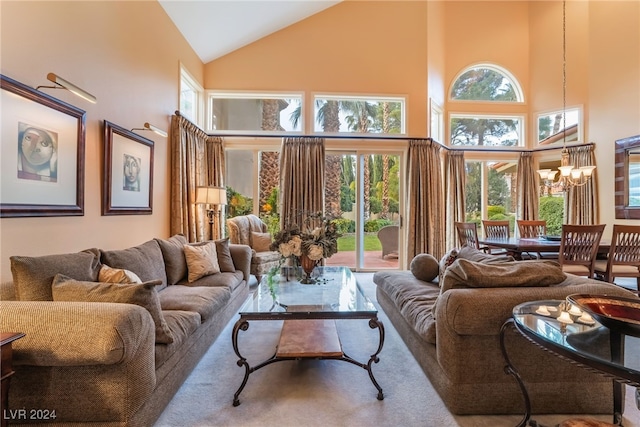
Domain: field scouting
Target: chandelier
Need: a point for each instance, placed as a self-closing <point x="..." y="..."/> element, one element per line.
<point x="570" y="176"/>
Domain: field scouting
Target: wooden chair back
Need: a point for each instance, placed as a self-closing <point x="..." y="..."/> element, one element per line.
<point x="624" y="254"/>
<point x="496" y="229"/>
<point x="467" y="234"/>
<point x="529" y="229"/>
<point x="579" y="247"/>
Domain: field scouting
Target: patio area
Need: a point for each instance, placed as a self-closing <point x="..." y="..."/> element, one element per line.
<point x="372" y="260"/>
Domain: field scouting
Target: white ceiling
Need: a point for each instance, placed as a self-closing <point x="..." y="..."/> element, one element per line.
<point x="214" y="28"/>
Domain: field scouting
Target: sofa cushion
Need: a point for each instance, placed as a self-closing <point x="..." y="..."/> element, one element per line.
<point x="424" y="267"/>
<point x="203" y="300"/>
<point x="473" y="254"/>
<point x="225" y="261"/>
<point x="225" y="280"/>
<point x="117" y="275"/>
<point x="260" y="242"/>
<point x="413" y="298"/>
<point x="202" y="260"/>
<point x="33" y="276"/>
<point x="143" y="294"/>
<point x="469" y="274"/>
<point x="145" y="260"/>
<point x="173" y="254"/>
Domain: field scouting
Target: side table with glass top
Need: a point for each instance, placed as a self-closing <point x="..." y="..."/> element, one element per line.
<point x="309" y="312"/>
<point x="579" y="339"/>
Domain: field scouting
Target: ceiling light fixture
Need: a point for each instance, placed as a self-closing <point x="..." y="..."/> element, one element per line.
<point x="570" y="176"/>
<point x="152" y="128"/>
<point x="64" y="84"/>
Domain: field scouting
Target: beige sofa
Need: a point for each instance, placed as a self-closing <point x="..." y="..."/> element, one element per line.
<point x="453" y="332"/>
<point x="101" y="362"/>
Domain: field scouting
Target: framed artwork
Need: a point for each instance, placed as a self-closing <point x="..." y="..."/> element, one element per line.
<point x="43" y="141"/>
<point x="127" y="172"/>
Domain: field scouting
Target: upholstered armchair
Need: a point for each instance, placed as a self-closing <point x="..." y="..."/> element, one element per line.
<point x="250" y="230"/>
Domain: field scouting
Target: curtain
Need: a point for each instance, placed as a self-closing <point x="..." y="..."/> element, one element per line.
<point x="455" y="182"/>
<point x="197" y="159"/>
<point x="301" y="179"/>
<point x="580" y="203"/>
<point x="527" y="188"/>
<point x="426" y="223"/>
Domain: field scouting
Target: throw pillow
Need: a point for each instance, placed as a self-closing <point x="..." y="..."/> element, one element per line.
<point x="173" y="254"/>
<point x="446" y="261"/>
<point x="117" y="275"/>
<point x="470" y="274"/>
<point x="32" y="276"/>
<point x="145" y="260"/>
<point x="424" y="267"/>
<point x="225" y="261"/>
<point x="143" y="294"/>
<point x="260" y="242"/>
<point x="202" y="260"/>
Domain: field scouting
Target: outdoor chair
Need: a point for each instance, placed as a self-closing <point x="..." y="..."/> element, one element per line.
<point x="579" y="247"/>
<point x="624" y="255"/>
<point x="388" y="236"/>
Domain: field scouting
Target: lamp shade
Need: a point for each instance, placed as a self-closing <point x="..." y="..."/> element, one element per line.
<point x="211" y="195"/>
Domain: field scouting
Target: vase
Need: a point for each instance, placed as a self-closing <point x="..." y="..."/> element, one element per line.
<point x="307" y="265"/>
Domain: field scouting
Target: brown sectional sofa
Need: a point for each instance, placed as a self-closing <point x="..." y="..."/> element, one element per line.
<point x="453" y="332"/>
<point x="99" y="362"/>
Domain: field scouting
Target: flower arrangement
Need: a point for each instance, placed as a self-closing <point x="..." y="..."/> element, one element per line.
<point x="315" y="243"/>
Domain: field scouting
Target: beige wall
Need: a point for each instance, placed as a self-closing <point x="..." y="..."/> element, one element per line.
<point x="127" y="54"/>
<point x="339" y="50"/>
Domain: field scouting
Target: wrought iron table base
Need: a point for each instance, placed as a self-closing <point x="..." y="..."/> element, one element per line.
<point x="243" y="325"/>
<point x="617" y="349"/>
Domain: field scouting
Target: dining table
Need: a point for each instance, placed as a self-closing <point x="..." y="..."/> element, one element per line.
<point x="516" y="246"/>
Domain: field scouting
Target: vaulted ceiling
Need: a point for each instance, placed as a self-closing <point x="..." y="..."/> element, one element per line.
<point x="215" y="28"/>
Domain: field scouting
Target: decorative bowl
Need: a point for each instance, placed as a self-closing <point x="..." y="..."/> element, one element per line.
<point x="616" y="313"/>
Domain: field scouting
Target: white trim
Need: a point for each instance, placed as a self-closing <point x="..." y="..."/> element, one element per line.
<point x="194" y="85"/>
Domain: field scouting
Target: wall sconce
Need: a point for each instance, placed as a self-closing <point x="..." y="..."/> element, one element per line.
<point x="64" y="84"/>
<point x="212" y="196"/>
<point x="152" y="128"/>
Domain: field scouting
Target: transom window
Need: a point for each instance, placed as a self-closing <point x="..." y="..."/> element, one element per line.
<point x="359" y="114"/>
<point x="488" y="83"/>
<point x="191" y="98"/>
<point x="552" y="126"/>
<point x="486" y="130"/>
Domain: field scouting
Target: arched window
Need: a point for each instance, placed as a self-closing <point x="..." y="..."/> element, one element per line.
<point x="487" y="83"/>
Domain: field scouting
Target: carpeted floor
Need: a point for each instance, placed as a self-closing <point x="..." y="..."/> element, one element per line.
<point x="324" y="392"/>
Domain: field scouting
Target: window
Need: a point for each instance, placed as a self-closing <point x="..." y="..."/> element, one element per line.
<point x="551" y="126"/>
<point x="255" y="112"/>
<point x="487" y="131"/>
<point x="491" y="191"/>
<point x="486" y="82"/>
<point x="359" y="114"/>
<point x="190" y="97"/>
<point x="436" y="124"/>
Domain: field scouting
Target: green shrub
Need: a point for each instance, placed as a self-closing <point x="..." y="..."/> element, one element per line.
<point x="373" y="225"/>
<point x="345" y="225"/>
<point x="552" y="211"/>
<point x="495" y="211"/>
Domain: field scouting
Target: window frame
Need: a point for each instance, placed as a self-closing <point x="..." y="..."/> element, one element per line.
<point x="402" y="99"/>
<point x="192" y="83"/>
<point x="509" y="116"/>
<point x="436" y="121"/>
<point x="580" y="131"/>
<point x="517" y="87"/>
<point x="211" y="95"/>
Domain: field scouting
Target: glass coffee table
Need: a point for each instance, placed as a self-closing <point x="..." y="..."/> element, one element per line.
<point x="309" y="312"/>
<point x="581" y="340"/>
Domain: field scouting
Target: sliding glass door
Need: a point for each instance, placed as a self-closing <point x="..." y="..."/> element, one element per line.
<point x="363" y="193"/>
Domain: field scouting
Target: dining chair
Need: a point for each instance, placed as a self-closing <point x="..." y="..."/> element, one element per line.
<point x="467" y="234"/>
<point x="624" y="255"/>
<point x="579" y="247"/>
<point x="494" y="229"/>
<point x="533" y="229"/>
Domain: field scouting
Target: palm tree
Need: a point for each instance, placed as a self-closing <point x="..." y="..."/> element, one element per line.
<point x="269" y="177"/>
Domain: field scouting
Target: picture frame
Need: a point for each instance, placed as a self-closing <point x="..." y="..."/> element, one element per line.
<point x="43" y="149"/>
<point x="127" y="172"/>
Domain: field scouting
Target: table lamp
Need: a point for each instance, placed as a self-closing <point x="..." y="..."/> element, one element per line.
<point x="215" y="198"/>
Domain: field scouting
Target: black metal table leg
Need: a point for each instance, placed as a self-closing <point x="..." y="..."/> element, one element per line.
<point x="509" y="369"/>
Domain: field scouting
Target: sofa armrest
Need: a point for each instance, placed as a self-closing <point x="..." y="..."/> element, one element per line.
<point x="241" y="255"/>
<point x="58" y="333"/>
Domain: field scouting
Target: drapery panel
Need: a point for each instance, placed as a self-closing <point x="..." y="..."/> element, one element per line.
<point x="197" y="159"/>
<point x="301" y="179"/>
<point x="455" y="182"/>
<point x="580" y="203"/>
<point x="426" y="225"/>
<point x="527" y="188"/>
